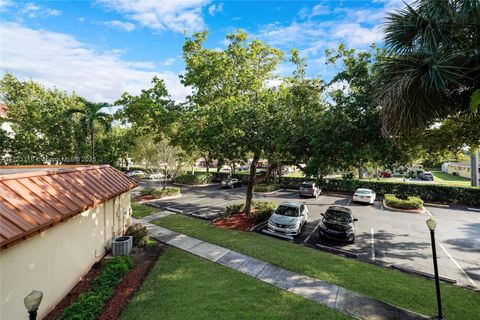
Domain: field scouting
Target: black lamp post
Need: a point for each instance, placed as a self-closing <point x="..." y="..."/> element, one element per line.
<point x="432" y="224"/>
<point x="32" y="301"/>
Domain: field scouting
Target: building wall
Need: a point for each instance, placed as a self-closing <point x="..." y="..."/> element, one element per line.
<point x="462" y="171"/>
<point x="56" y="259"/>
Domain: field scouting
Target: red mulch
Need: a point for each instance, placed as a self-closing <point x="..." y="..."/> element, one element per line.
<point x="82" y="286"/>
<point x="144" y="262"/>
<point x="238" y="221"/>
<point x="144" y="259"/>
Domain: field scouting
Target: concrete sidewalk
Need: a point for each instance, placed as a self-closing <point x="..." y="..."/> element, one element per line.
<point x="343" y="300"/>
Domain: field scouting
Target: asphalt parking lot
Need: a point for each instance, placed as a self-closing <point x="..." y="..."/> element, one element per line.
<point x="382" y="236"/>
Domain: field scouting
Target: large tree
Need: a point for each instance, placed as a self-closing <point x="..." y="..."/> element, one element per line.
<point x="231" y="107"/>
<point x="433" y="66"/>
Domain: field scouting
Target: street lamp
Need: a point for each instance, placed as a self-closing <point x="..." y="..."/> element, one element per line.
<point x="432" y="224"/>
<point x="32" y="301"/>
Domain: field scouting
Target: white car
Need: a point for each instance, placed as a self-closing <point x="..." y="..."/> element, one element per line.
<point x="135" y="173"/>
<point x="155" y="175"/>
<point x="288" y="219"/>
<point x="364" y="195"/>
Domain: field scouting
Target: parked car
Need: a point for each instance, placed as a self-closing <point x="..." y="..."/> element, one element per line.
<point x="386" y="174"/>
<point x="308" y="189"/>
<point x="155" y="175"/>
<point x="231" y="183"/>
<point x="226" y="169"/>
<point x="244" y="168"/>
<point x="288" y="219"/>
<point x="136" y="173"/>
<point x="364" y="195"/>
<point x="338" y="223"/>
<point x="261" y="173"/>
<point x="427" y="176"/>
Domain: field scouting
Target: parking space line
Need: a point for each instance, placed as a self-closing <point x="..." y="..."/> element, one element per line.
<point x="319" y="198"/>
<point x="372" y="244"/>
<point x="458" y="266"/>
<point x="186" y="203"/>
<point x="426" y="210"/>
<point x="474" y="209"/>
<point x="349" y="200"/>
<point x="313" y="231"/>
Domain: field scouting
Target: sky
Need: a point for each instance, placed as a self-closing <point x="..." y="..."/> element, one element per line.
<point x="101" y="49"/>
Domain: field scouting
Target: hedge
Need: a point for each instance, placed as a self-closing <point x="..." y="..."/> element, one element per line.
<point x="263" y="187"/>
<point x="426" y="191"/>
<point x="410" y="203"/>
<point x="198" y="178"/>
<point x="262" y="210"/>
<point x="90" y="304"/>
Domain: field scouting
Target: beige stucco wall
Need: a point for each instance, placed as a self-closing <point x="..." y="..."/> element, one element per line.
<point x="54" y="260"/>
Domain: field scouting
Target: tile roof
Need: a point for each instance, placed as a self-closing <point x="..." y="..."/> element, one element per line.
<point x="31" y="202"/>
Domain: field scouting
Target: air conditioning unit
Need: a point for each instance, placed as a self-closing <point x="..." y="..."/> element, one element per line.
<point x="121" y="246"/>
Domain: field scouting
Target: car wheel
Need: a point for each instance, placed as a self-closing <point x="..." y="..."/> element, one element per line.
<point x="352" y="241"/>
<point x="231" y="187"/>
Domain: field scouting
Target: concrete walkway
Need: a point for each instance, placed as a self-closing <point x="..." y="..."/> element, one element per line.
<point x="343" y="300"/>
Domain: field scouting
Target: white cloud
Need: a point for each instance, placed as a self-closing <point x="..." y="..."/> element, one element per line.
<point x="168" y="62"/>
<point x="127" y="26"/>
<point x="58" y="59"/>
<point x="33" y="10"/>
<point x="162" y="15"/>
<point x="215" y="8"/>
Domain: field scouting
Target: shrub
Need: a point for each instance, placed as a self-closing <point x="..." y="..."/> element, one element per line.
<point x="90" y="304"/>
<point x="411" y="203"/>
<point x="264" y="209"/>
<point x="198" y="178"/>
<point x="139" y="234"/>
<point x="232" y="209"/>
<point x="263" y="187"/>
<point x="160" y="192"/>
<point x="147" y="192"/>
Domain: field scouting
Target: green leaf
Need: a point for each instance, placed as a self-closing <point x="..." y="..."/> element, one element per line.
<point x="475" y="102"/>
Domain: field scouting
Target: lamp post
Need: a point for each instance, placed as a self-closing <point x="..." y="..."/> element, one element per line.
<point x="32" y="301"/>
<point x="432" y="224"/>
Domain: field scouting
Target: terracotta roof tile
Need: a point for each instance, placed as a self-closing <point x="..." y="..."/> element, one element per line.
<point x="31" y="202"/>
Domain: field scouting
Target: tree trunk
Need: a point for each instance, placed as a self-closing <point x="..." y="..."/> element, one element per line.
<point x="233" y="168"/>
<point x="251" y="183"/>
<point x="165" y="171"/>
<point x="193" y="169"/>
<point x="360" y="173"/>
<point x="93" y="144"/>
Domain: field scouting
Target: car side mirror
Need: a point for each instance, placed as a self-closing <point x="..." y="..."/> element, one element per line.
<point x="355" y="219"/>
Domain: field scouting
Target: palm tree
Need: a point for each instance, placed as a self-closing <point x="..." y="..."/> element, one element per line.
<point x="433" y="64"/>
<point x="91" y="114"/>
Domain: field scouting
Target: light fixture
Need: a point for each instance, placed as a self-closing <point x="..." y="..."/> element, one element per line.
<point x="32" y="302"/>
<point x="432" y="224"/>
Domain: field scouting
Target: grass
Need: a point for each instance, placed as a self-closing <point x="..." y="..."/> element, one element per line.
<point x="410" y="292"/>
<point x="141" y="210"/>
<point x="445" y="178"/>
<point x="183" y="286"/>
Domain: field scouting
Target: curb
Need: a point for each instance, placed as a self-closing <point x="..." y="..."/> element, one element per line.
<point x="257" y="226"/>
<point x="422" y="273"/>
<point x="160" y="199"/>
<point x="415" y="211"/>
<point x="195" y="185"/>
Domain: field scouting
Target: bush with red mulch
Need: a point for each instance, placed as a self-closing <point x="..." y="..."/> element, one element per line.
<point x="239" y="221"/>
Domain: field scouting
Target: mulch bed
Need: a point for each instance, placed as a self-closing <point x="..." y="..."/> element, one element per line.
<point x="144" y="259"/>
<point x="238" y="221"/>
<point x="82" y="286"/>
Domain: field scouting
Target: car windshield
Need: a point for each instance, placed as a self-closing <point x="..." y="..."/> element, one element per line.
<point x="306" y="185"/>
<point x="362" y="191"/>
<point x="287" y="211"/>
<point x="338" y="216"/>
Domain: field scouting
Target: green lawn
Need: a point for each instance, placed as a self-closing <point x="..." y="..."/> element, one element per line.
<point x="445" y="178"/>
<point x="183" y="286"/>
<point x="389" y="285"/>
<point x="141" y="210"/>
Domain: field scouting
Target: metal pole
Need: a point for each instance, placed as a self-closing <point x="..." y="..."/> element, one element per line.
<point x="32" y="315"/>
<point x="437" y="280"/>
<point x="474" y="169"/>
